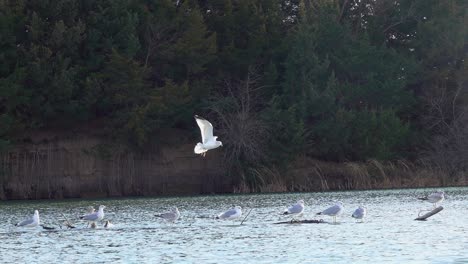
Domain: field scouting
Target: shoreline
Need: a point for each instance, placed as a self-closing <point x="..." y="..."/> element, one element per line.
<point x="88" y="167"/>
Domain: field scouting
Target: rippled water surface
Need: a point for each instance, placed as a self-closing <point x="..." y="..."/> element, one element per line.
<point x="389" y="234"/>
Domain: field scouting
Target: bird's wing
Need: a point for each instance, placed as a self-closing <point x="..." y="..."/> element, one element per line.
<point x="332" y="210"/>
<point x="358" y="212"/>
<point x="206" y="129"/>
<point x="26" y="222"/>
<point x="435" y="197"/>
<point x="90" y="217"/>
<point x="295" y="209"/>
<point x="168" y="215"/>
<point x="228" y="213"/>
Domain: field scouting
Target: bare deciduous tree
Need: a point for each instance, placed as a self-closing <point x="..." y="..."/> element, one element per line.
<point x="447" y="117"/>
<point x="243" y="132"/>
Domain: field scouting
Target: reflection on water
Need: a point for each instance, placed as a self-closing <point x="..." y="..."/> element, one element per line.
<point x="388" y="234"/>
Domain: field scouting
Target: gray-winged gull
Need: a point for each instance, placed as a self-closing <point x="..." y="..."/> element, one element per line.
<point x="30" y="222"/>
<point x="360" y="213"/>
<point x="434" y="198"/>
<point x="334" y="211"/>
<point x="171" y="216"/>
<point x="230" y="214"/>
<point x="95" y="216"/>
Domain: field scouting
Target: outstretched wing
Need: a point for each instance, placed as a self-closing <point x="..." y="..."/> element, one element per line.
<point x="206" y="129"/>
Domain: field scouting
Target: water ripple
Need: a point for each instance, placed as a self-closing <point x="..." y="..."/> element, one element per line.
<point x="388" y="235"/>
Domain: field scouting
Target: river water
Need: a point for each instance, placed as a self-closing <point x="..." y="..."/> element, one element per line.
<point x="388" y="235"/>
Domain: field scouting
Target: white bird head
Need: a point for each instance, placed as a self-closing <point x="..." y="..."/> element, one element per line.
<point x="238" y="207"/>
<point x="36" y="213"/>
<point x="300" y="202"/>
<point x="175" y="209"/>
<point x="339" y="203"/>
<point x="101" y="207"/>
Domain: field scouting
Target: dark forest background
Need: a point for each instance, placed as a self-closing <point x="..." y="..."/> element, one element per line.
<point x="332" y="80"/>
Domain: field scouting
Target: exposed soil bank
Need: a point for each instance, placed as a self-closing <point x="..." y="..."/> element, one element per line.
<point x="88" y="167"/>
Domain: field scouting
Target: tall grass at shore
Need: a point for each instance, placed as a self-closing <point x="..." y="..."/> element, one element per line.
<point x="313" y="175"/>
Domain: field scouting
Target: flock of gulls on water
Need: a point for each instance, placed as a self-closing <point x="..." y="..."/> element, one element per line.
<point x="210" y="142"/>
<point x="93" y="217"/>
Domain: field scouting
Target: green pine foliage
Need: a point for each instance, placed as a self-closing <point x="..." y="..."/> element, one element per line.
<point x="333" y="80"/>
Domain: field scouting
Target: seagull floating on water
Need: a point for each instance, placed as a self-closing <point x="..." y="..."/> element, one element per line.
<point x="95" y="216"/>
<point x="334" y="211"/>
<point x="434" y="198"/>
<point x="208" y="140"/>
<point x="30" y="222"/>
<point x="230" y="214"/>
<point x="295" y="209"/>
<point x="360" y="213"/>
<point x="171" y="216"/>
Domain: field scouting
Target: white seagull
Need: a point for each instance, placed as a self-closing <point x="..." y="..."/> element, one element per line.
<point x="90" y="210"/>
<point x="295" y="209"/>
<point x="230" y="214"/>
<point x="30" y="222"/>
<point x="208" y="140"/>
<point x="434" y="198"/>
<point x="171" y="216"/>
<point x="334" y="211"/>
<point x="95" y="216"/>
<point x="360" y="213"/>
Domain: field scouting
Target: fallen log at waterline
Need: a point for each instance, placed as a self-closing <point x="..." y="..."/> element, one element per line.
<point x="313" y="221"/>
<point x="429" y="214"/>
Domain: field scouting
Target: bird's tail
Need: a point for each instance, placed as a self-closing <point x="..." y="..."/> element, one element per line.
<point x="422" y="198"/>
<point x="285" y="213"/>
<point x="199" y="149"/>
<point x="319" y="213"/>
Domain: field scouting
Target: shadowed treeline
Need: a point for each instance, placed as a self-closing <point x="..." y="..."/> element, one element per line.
<point x="83" y="168"/>
<point x="74" y="168"/>
<point x="361" y="85"/>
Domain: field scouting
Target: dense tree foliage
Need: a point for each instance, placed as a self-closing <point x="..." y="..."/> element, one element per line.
<point x="331" y="79"/>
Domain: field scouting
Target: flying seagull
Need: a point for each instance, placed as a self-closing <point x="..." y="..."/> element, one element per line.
<point x="434" y="198"/>
<point x="360" y="213"/>
<point x="30" y="222"/>
<point x="230" y="214"/>
<point x="334" y="211"/>
<point x="171" y="216"/>
<point x="208" y="140"/>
